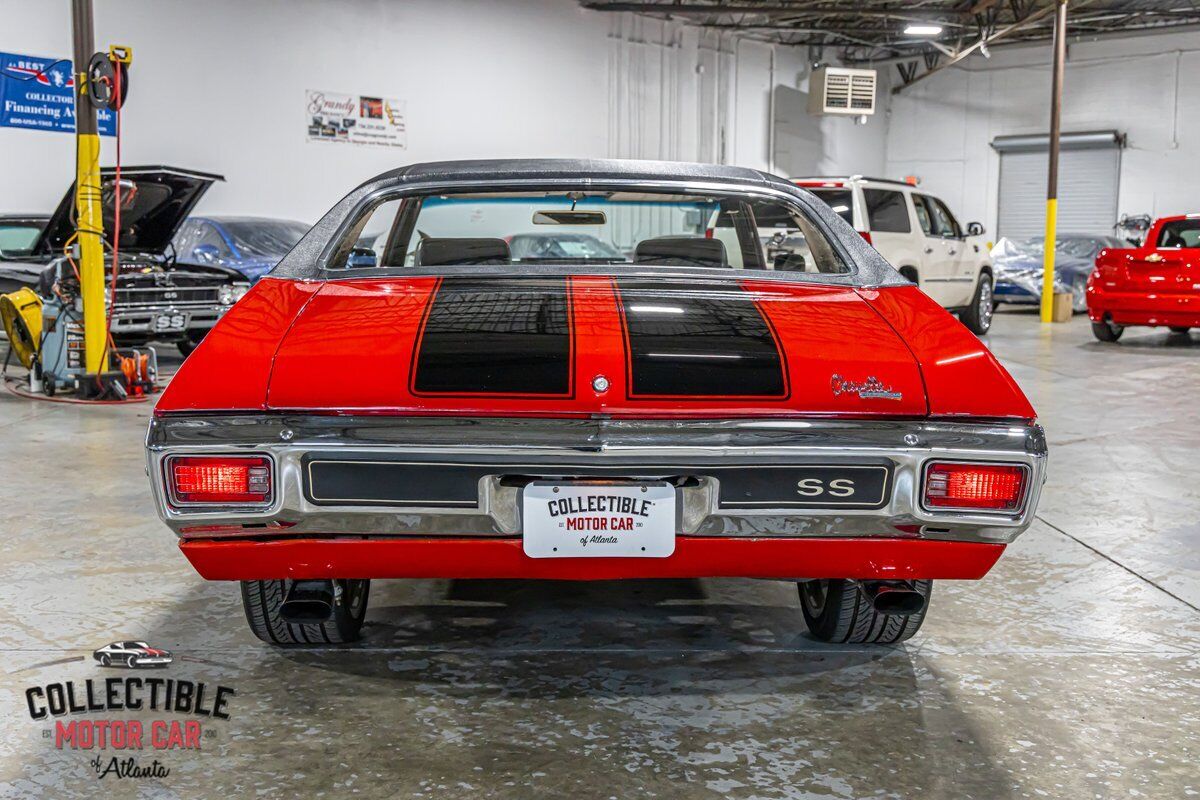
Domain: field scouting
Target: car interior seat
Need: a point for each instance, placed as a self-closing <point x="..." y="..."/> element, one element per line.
<point x="682" y="251"/>
<point x="434" y="251"/>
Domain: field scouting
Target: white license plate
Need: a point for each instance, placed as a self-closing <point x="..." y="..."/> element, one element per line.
<point x="582" y="520"/>
<point x="169" y="323"/>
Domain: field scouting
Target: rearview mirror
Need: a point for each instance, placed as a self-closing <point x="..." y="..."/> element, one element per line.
<point x="975" y="229"/>
<point x="569" y="218"/>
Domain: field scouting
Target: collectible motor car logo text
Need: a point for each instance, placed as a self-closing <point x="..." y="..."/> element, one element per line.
<point x="78" y="711"/>
<point x="599" y="513"/>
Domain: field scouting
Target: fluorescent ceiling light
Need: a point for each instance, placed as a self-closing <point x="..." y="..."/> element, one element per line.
<point x="923" y="30"/>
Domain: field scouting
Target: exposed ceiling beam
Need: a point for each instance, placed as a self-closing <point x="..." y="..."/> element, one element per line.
<point x="966" y="51"/>
<point x="841" y="9"/>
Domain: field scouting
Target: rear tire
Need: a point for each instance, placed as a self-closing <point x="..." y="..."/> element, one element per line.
<point x="1179" y="329"/>
<point x="1107" y="331"/>
<point x="978" y="316"/>
<point x="836" y="611"/>
<point x="262" y="600"/>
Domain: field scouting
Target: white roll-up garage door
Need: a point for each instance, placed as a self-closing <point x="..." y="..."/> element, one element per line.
<point x="1088" y="178"/>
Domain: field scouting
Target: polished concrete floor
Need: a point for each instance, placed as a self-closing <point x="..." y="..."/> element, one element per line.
<point x="1071" y="671"/>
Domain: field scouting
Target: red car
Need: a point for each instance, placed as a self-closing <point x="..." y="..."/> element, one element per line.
<point x="683" y="406"/>
<point x="1155" y="284"/>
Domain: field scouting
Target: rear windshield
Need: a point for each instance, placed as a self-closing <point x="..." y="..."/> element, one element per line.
<point x="634" y="228"/>
<point x="841" y="201"/>
<point x="1180" y="233"/>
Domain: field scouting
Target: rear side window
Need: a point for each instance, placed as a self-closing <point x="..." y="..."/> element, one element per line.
<point x="886" y="211"/>
<point x="1181" y="233"/>
<point x="841" y="201"/>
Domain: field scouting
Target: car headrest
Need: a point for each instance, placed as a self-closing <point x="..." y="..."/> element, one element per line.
<point x="682" y="250"/>
<point x="434" y="252"/>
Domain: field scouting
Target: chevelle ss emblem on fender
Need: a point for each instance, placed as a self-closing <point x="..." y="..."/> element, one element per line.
<point x="870" y="389"/>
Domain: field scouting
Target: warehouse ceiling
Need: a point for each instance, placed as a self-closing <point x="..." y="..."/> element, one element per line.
<point x="871" y="31"/>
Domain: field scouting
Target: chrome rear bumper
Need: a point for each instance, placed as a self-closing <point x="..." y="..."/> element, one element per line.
<point x="634" y="449"/>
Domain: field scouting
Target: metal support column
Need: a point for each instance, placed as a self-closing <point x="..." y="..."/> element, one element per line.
<point x="90" y="224"/>
<point x="1060" y="59"/>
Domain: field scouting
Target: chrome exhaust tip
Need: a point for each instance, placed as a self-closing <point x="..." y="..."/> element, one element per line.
<point x="308" y="602"/>
<point x="893" y="598"/>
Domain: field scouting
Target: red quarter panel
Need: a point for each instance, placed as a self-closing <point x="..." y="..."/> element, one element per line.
<point x="962" y="377"/>
<point x="231" y="368"/>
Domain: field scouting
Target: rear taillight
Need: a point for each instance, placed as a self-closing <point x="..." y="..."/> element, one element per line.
<point x="866" y="235"/>
<point x="987" y="487"/>
<point x="219" y="480"/>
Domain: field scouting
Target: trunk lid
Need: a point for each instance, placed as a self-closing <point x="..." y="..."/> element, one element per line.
<point x="1167" y="270"/>
<point x="154" y="203"/>
<point x="593" y="345"/>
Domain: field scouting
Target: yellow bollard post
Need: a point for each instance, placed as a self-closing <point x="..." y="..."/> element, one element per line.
<point x="1048" y="260"/>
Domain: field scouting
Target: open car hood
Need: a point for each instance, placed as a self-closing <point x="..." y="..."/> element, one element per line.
<point x="154" y="203"/>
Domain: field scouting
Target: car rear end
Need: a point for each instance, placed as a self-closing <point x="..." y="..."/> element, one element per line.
<point x="645" y="420"/>
<point x="1156" y="284"/>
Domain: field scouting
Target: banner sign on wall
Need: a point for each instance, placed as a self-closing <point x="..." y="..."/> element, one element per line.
<point x="357" y="119"/>
<point x="39" y="93"/>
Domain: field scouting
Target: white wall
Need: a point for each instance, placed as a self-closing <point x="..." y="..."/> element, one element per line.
<point x="219" y="86"/>
<point x="1144" y="87"/>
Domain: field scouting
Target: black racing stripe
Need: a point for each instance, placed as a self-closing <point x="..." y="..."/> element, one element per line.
<point x="496" y="337"/>
<point x="699" y="341"/>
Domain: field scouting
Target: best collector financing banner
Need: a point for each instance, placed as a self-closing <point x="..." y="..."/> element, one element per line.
<point x="39" y="93"/>
<point x="357" y="119"/>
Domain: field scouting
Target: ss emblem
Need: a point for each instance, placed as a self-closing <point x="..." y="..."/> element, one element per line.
<point x="814" y="487"/>
<point x="170" y="322"/>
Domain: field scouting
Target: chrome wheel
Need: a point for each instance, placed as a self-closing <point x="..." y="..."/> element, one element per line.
<point x="814" y="594"/>
<point x="354" y="594"/>
<point x="986" y="306"/>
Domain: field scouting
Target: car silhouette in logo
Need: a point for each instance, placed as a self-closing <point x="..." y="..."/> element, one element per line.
<point x="132" y="654"/>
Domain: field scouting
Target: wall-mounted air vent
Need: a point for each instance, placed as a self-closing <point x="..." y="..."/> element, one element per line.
<point x="838" y="90"/>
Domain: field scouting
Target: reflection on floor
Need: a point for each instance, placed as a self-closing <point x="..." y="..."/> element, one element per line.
<point x="1071" y="671"/>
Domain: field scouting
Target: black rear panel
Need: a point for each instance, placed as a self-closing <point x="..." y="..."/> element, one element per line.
<point x="351" y="479"/>
<point x="511" y="338"/>
<point x="713" y="342"/>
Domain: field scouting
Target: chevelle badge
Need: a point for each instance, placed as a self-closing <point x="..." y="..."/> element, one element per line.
<point x="563" y="520"/>
<point x="869" y="389"/>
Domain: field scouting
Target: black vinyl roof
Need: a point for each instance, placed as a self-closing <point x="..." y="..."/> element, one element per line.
<point x="598" y="169"/>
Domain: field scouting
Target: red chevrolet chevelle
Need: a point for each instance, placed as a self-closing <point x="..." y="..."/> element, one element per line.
<point x="1155" y="284"/>
<point x="587" y="370"/>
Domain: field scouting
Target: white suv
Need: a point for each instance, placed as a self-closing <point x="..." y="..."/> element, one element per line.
<point x="919" y="236"/>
